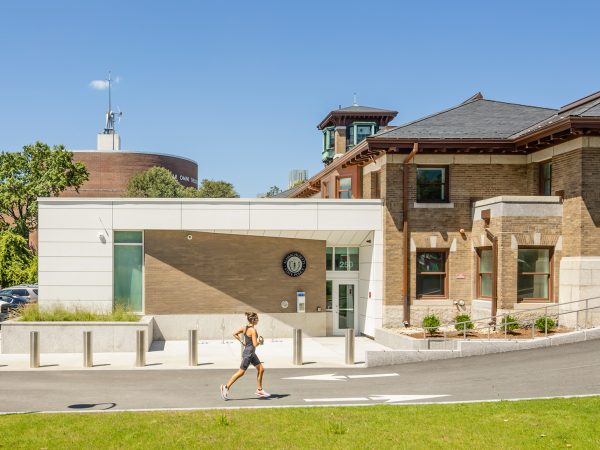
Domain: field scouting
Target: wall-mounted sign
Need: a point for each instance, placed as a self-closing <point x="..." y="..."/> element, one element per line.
<point x="294" y="264"/>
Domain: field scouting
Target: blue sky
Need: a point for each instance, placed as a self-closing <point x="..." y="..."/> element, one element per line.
<point x="240" y="86"/>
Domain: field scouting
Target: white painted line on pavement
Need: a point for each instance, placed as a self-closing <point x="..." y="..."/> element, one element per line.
<point x="374" y="375"/>
<point x="403" y="398"/>
<point x="324" y="377"/>
<point x="210" y="408"/>
<point x="342" y="399"/>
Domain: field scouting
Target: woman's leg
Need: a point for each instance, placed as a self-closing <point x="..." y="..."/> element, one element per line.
<point x="259" y="376"/>
<point x="239" y="374"/>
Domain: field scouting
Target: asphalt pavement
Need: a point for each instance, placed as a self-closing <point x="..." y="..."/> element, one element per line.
<point x="568" y="370"/>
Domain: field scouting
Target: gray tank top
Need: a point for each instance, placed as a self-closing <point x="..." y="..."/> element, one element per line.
<point x="248" y="345"/>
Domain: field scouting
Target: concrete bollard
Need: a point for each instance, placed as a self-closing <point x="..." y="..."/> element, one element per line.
<point x="34" y="349"/>
<point x="193" y="348"/>
<point x="140" y="349"/>
<point x="297" y="342"/>
<point x="350" y="346"/>
<point x="88" y="357"/>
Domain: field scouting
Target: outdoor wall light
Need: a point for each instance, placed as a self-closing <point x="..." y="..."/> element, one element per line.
<point x="461" y="231"/>
<point x="368" y="241"/>
<point x="102" y="237"/>
<point x="189" y="237"/>
<point x="319" y="309"/>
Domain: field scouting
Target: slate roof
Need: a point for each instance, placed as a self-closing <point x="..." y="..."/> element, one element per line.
<point x="363" y="109"/>
<point x="586" y="107"/>
<point x="474" y="119"/>
<point x="359" y="111"/>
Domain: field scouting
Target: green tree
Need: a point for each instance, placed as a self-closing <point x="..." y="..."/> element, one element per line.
<point x="216" y="189"/>
<point x="272" y="192"/>
<point x="154" y="182"/>
<point x="17" y="263"/>
<point x="36" y="171"/>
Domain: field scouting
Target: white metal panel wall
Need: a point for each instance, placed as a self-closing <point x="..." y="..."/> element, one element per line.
<point x="75" y="237"/>
<point x="75" y="254"/>
<point x="371" y="280"/>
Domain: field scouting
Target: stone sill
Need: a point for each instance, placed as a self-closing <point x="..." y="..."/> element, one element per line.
<point x="551" y="199"/>
<point x="433" y="205"/>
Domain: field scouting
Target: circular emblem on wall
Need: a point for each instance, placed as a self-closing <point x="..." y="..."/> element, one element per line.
<point x="294" y="264"/>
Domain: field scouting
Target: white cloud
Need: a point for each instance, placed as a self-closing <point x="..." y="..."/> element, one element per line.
<point x="99" y="84"/>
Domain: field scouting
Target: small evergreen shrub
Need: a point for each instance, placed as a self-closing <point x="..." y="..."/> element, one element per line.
<point x="540" y="323"/>
<point x="509" y="324"/>
<point x="431" y="323"/>
<point x="467" y="322"/>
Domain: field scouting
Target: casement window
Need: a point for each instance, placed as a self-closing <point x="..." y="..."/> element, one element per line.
<point x="344" y="187"/>
<point x="432" y="270"/>
<point x="341" y="259"/>
<point x="534" y="274"/>
<point x="485" y="271"/>
<point x="546" y="178"/>
<point x="329" y="138"/>
<point x="358" y="132"/>
<point x="432" y="184"/>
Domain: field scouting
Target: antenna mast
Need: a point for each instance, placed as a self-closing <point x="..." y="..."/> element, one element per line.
<point x="109" y="127"/>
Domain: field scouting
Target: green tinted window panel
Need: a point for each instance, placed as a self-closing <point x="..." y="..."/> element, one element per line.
<point x="128" y="262"/>
<point x="128" y="237"/>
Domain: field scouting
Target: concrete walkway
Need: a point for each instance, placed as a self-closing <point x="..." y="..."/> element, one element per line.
<point x="321" y="352"/>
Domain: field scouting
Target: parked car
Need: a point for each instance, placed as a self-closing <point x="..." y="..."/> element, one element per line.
<point x="10" y="303"/>
<point x="28" y="291"/>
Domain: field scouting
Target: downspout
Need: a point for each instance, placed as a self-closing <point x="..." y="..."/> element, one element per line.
<point x="405" y="231"/>
<point x="494" y="240"/>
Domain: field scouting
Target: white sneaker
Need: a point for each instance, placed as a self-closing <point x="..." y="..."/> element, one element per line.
<point x="262" y="393"/>
<point x="224" y="392"/>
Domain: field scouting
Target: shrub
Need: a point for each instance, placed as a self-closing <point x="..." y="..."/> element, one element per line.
<point x="540" y="323"/>
<point x="431" y="323"/>
<point x="17" y="263"/>
<point x="509" y="324"/>
<point x="32" y="313"/>
<point x="466" y="319"/>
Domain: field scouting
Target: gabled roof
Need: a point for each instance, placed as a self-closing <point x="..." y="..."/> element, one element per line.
<point x="357" y="111"/>
<point x="476" y="118"/>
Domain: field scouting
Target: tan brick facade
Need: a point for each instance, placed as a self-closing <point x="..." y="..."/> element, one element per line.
<point x="437" y="226"/>
<point x="224" y="273"/>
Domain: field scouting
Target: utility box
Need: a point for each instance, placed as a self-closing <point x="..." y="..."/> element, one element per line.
<point x="300" y="301"/>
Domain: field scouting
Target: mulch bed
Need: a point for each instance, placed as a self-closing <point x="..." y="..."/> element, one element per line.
<point x="483" y="334"/>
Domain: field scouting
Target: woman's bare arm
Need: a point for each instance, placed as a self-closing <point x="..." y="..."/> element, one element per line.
<point x="236" y="335"/>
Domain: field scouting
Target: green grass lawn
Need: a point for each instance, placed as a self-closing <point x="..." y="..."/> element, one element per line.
<point x="560" y="423"/>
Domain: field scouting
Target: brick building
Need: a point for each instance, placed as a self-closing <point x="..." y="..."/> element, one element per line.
<point x="483" y="208"/>
<point x="482" y="202"/>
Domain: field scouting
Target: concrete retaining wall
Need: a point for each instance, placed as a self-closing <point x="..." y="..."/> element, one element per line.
<point x="580" y="280"/>
<point x="67" y="337"/>
<point x="467" y="348"/>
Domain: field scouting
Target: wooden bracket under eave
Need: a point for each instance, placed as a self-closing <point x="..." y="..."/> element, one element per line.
<point x="486" y="215"/>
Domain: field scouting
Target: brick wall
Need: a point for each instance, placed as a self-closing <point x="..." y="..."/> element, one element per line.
<point x="223" y="273"/>
<point x="110" y="172"/>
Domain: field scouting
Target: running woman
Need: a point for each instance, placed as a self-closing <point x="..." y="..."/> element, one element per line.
<point x="250" y="340"/>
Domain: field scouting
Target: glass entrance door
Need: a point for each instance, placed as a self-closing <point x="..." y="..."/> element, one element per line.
<point x="344" y="304"/>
